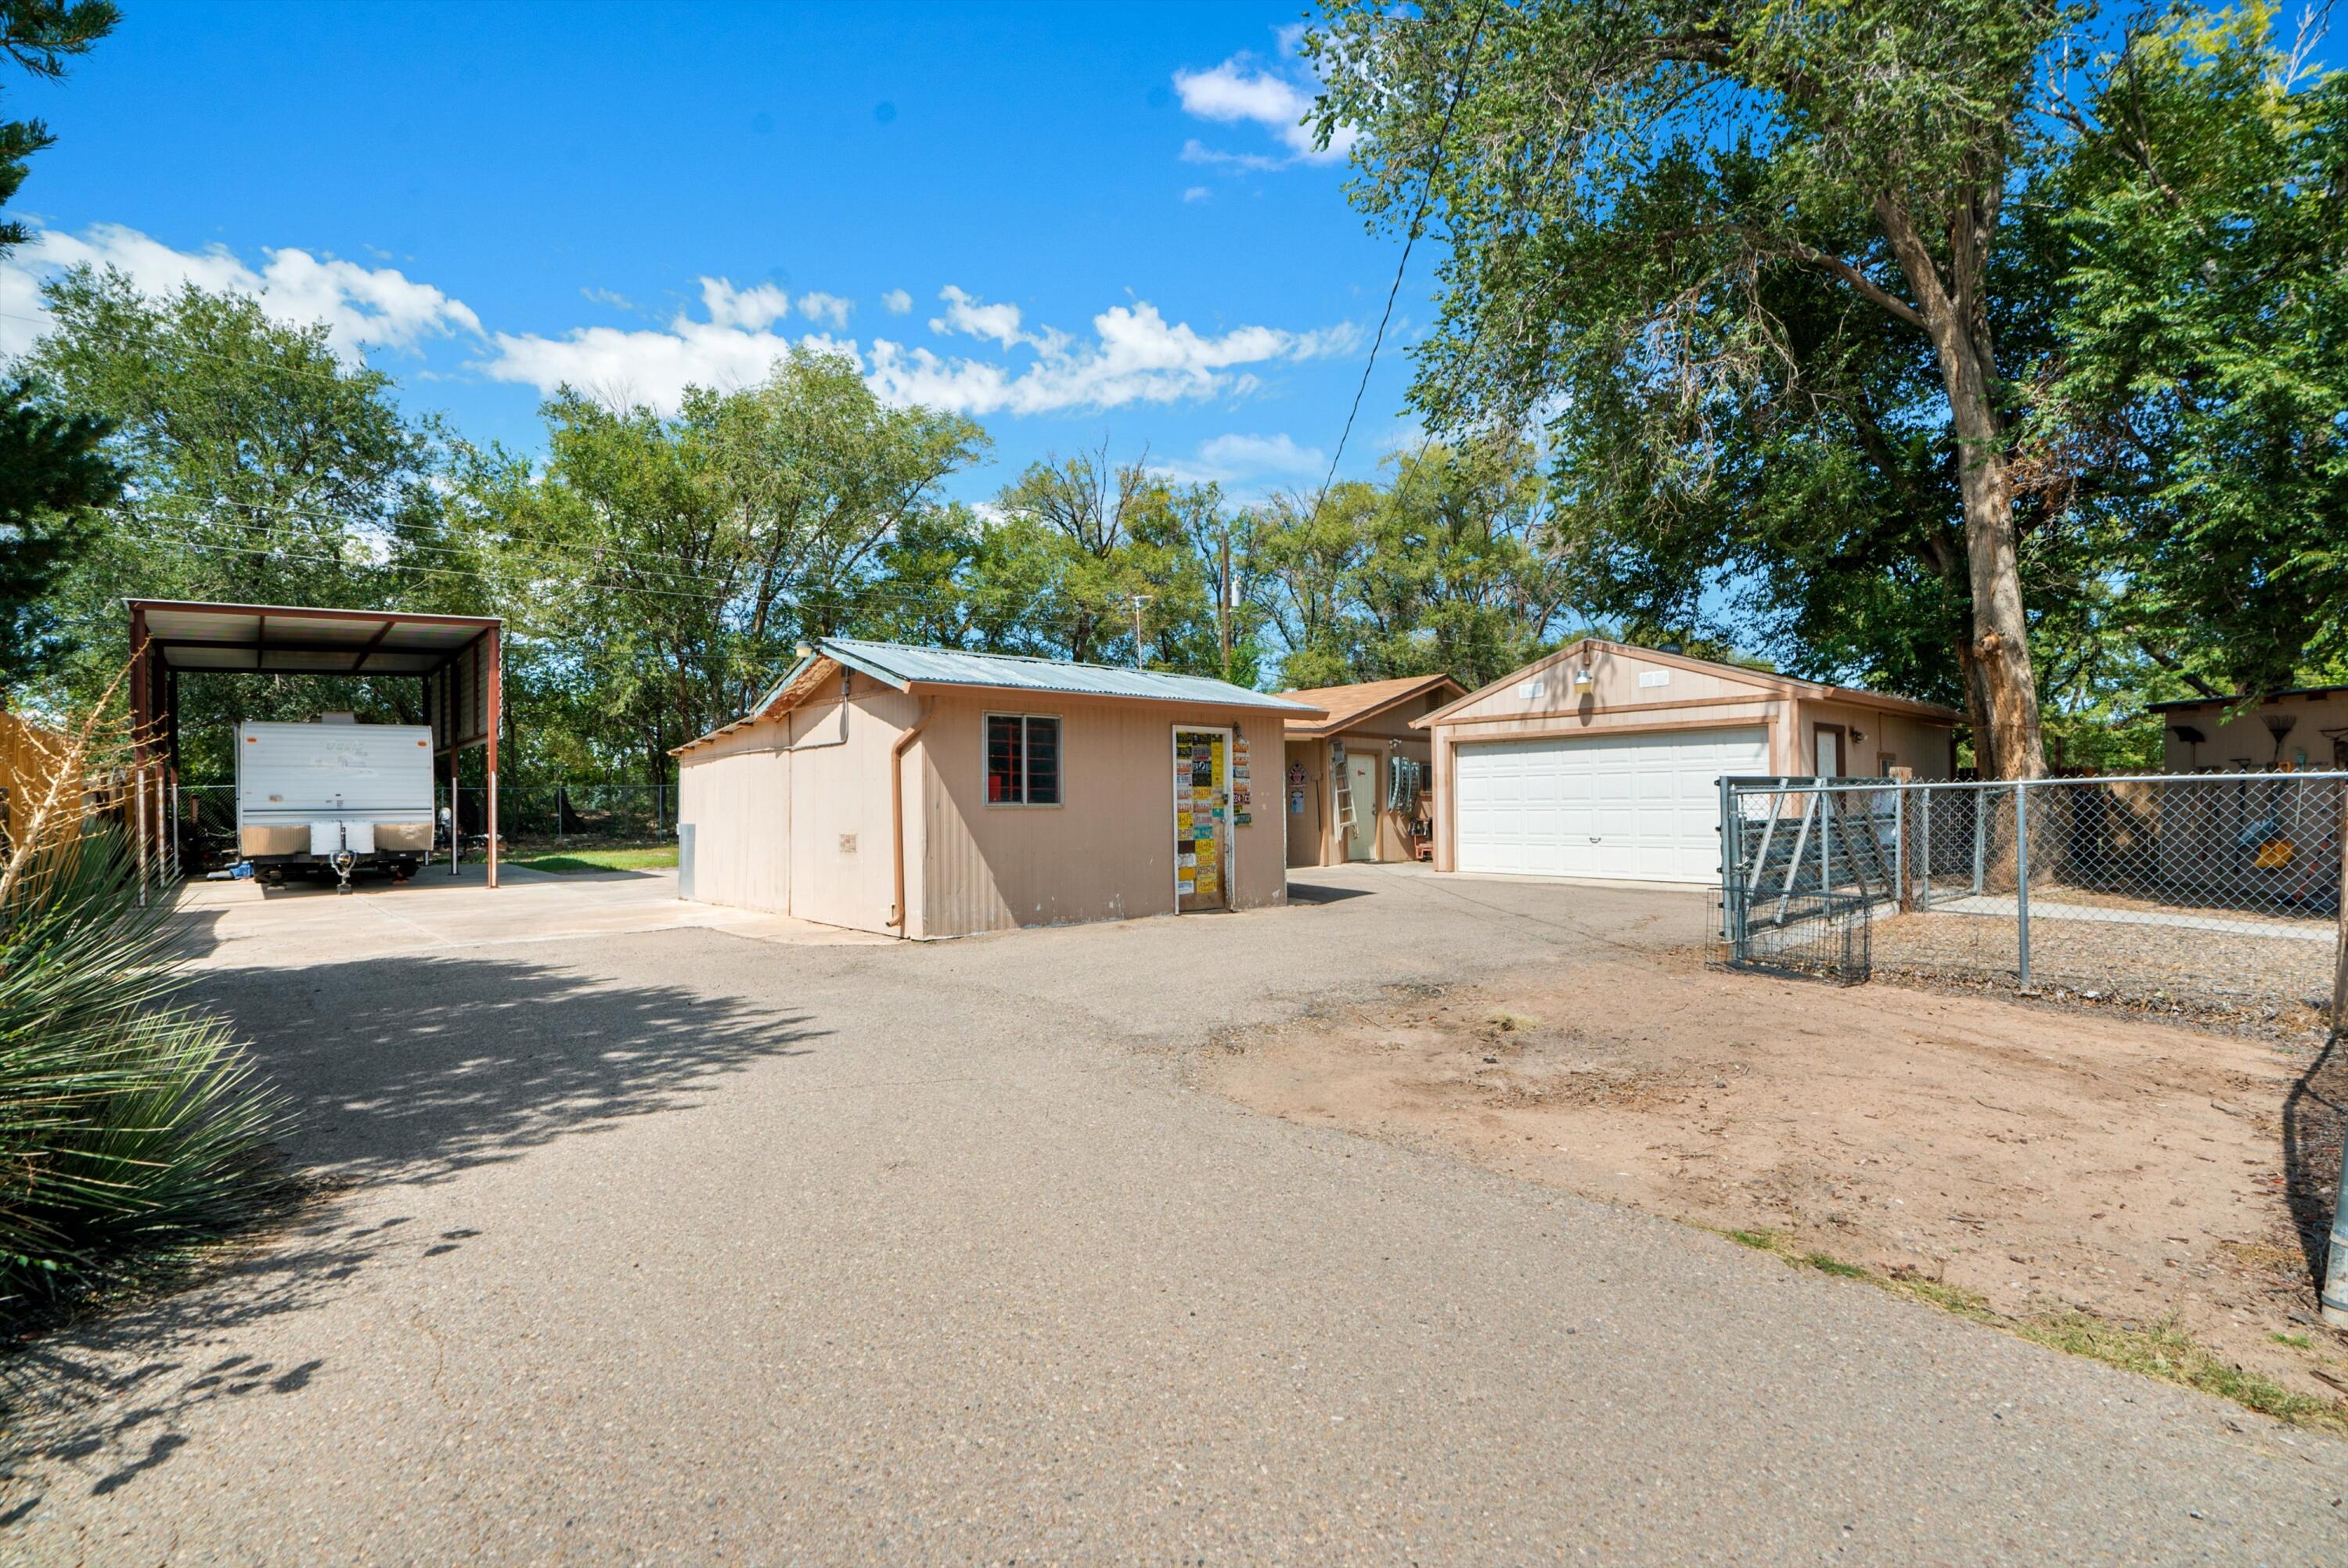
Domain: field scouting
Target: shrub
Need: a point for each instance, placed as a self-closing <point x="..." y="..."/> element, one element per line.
<point x="130" y="1128"/>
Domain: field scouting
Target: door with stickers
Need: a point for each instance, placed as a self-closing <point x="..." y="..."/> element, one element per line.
<point x="1202" y="819"/>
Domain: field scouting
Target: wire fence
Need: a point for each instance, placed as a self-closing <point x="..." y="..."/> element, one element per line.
<point x="2211" y="896"/>
<point x="528" y="815"/>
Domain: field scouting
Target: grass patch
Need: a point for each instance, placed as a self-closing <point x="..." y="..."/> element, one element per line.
<point x="2166" y="1351"/>
<point x="2162" y="1350"/>
<point x="561" y="861"/>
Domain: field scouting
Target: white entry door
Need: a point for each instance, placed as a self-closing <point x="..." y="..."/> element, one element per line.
<point x="1640" y="808"/>
<point x="1362" y="786"/>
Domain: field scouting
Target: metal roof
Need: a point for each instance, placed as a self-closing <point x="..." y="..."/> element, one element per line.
<point x="2313" y="694"/>
<point x="906" y="668"/>
<point x="903" y="667"/>
<point x="301" y="640"/>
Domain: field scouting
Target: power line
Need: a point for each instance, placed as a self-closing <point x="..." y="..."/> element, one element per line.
<point x="1410" y="239"/>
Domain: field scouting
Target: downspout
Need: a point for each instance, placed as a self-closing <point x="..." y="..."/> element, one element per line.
<point x="897" y="811"/>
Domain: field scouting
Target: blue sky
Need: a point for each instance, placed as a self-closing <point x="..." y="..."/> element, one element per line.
<point x="1073" y="223"/>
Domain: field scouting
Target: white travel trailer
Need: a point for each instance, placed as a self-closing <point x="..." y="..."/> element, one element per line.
<point x="334" y="795"/>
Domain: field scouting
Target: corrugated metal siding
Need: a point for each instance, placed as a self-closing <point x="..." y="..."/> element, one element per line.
<point x="736" y="794"/>
<point x="841" y="867"/>
<point x="952" y="667"/>
<point x="1108" y="853"/>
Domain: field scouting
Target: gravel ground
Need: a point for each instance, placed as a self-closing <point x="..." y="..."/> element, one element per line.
<point x="2280" y="984"/>
<point x="684" y="1246"/>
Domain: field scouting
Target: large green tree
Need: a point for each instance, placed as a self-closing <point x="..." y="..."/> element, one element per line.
<point x="1451" y="565"/>
<point x="262" y="467"/>
<point x="661" y="568"/>
<point x="2197" y="406"/>
<point x="52" y="473"/>
<point x="1625" y="186"/>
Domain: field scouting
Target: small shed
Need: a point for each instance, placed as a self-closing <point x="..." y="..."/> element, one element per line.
<point x="930" y="792"/>
<point x="2304" y="728"/>
<point x="1355" y="782"/>
<point x="1604" y="760"/>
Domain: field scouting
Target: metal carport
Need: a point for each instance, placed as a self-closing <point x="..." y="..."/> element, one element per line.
<point x="458" y="658"/>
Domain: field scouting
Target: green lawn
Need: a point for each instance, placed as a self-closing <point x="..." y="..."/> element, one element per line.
<point x="567" y="860"/>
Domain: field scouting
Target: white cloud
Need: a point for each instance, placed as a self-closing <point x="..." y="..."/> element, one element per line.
<point x="1240" y="92"/>
<point x="612" y="297"/>
<point x="1241" y="457"/>
<point x="1197" y="194"/>
<point x="363" y="307"/>
<point x="965" y="313"/>
<point x="1135" y="356"/>
<point x="1131" y="354"/>
<point x="751" y="310"/>
<point x="829" y="308"/>
<point x="897" y="301"/>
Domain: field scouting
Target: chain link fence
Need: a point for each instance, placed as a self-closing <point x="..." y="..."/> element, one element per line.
<point x="2213" y="896"/>
<point x="530" y="816"/>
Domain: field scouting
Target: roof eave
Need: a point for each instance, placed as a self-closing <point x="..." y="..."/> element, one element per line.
<point x="1328" y="726"/>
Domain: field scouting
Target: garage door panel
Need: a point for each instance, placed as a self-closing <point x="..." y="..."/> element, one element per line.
<point x="1624" y="807"/>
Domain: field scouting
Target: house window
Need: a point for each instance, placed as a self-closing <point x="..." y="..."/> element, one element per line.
<point x="1022" y="758"/>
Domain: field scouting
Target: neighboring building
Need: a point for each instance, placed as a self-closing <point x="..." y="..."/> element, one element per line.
<point x="1339" y="795"/>
<point x="1604" y="761"/>
<point x="933" y="793"/>
<point x="2307" y="728"/>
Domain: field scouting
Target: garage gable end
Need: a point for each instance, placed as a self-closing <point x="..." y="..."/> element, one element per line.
<point x="1608" y="677"/>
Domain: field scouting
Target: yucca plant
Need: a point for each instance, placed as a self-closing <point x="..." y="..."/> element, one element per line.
<point x="130" y="1127"/>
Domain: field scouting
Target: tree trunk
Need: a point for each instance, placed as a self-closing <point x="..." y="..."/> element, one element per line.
<point x="1952" y="317"/>
<point x="2000" y="646"/>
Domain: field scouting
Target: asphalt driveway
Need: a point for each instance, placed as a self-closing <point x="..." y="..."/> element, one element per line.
<point x="694" y="1245"/>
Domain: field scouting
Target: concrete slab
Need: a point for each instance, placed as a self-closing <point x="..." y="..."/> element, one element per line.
<point x="242" y="924"/>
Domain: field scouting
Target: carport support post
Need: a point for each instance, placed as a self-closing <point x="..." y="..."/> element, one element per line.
<point x="496" y="663"/>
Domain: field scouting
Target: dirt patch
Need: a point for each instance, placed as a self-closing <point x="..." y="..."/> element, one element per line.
<point x="2041" y="1161"/>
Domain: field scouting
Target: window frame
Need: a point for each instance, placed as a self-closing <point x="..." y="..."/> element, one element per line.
<point x="1027" y="773"/>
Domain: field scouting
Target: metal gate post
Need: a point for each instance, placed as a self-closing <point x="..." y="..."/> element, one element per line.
<point x="2022" y="874"/>
<point x="1981" y="834"/>
<point x="1924" y="811"/>
<point x="1901" y="900"/>
<point x="1732" y="924"/>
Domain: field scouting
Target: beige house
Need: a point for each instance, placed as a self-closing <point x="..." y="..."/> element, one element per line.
<point x="931" y="793"/>
<point x="1604" y="761"/>
<point x="2294" y="730"/>
<point x="1338" y="793"/>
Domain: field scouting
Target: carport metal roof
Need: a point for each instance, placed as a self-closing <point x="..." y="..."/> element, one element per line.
<point x="290" y="640"/>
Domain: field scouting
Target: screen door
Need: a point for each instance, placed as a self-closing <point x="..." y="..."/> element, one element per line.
<point x="1202" y="819"/>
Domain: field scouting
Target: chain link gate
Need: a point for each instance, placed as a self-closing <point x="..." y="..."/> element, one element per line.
<point x="2216" y="896"/>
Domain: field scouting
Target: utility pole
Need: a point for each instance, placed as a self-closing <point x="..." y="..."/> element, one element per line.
<point x="1223" y="602"/>
<point x="1138" y="600"/>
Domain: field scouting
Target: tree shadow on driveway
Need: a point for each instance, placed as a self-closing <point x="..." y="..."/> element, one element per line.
<point x="399" y="1070"/>
<point x="415" y="1069"/>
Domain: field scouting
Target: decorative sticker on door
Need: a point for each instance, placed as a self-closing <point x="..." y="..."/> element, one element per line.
<point x="1202" y="812"/>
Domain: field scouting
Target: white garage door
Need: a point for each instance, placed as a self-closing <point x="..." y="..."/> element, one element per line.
<point x="1642" y="808"/>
